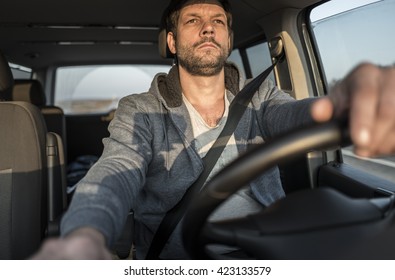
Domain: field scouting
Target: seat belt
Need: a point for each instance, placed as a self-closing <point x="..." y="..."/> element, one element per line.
<point x="236" y="111"/>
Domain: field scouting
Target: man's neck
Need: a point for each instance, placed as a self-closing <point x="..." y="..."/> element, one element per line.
<point x="201" y="89"/>
<point x="206" y="94"/>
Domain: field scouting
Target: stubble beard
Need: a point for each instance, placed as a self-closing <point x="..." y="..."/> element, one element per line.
<point x="205" y="64"/>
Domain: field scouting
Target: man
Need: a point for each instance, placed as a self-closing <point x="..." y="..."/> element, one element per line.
<point x="157" y="139"/>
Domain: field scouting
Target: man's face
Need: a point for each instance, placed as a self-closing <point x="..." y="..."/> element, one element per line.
<point x="202" y="40"/>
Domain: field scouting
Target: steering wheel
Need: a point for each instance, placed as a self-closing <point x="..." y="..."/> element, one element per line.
<point x="311" y="224"/>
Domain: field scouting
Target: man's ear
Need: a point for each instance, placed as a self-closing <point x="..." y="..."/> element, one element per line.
<point x="171" y="43"/>
<point x="230" y="42"/>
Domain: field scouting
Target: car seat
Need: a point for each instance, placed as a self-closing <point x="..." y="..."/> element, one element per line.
<point x="32" y="91"/>
<point x="32" y="195"/>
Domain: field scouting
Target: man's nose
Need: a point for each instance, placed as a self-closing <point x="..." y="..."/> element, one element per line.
<point x="207" y="29"/>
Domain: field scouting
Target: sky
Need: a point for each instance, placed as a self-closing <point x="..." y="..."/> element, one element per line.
<point x="337" y="6"/>
<point x="361" y="35"/>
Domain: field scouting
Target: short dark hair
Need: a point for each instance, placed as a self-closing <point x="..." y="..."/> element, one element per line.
<point x="172" y="13"/>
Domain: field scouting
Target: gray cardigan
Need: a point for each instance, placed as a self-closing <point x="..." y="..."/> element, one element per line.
<point x="149" y="159"/>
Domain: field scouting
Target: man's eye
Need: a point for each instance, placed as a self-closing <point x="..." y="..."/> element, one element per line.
<point x="194" y="20"/>
<point x="219" y="21"/>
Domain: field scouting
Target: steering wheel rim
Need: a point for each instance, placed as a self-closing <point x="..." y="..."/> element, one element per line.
<point x="246" y="168"/>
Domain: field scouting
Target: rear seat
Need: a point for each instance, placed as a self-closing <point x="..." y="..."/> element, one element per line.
<point x="32" y="91"/>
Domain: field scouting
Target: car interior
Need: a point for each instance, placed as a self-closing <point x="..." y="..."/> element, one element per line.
<point x="334" y="208"/>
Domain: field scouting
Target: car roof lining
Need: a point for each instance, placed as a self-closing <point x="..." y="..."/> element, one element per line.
<point x="42" y="33"/>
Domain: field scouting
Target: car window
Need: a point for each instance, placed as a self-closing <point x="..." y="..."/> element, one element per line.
<point x="20" y="72"/>
<point x="350" y="32"/>
<point x="258" y="59"/>
<point x="235" y="57"/>
<point x="98" y="89"/>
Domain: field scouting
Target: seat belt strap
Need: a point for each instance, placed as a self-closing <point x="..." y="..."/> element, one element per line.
<point x="236" y="111"/>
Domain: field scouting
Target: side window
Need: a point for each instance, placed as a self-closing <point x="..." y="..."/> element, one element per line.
<point x="235" y="57"/>
<point x="257" y="59"/>
<point x="348" y="33"/>
<point x="20" y="72"/>
<point x="97" y="89"/>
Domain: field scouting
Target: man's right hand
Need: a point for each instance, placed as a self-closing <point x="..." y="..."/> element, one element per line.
<point x="82" y="244"/>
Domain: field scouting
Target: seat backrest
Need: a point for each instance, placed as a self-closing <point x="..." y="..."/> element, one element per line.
<point x="23" y="180"/>
<point x="32" y="91"/>
<point x="32" y="192"/>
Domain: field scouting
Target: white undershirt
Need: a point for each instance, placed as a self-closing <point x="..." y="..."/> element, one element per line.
<point x="239" y="204"/>
<point x="205" y="135"/>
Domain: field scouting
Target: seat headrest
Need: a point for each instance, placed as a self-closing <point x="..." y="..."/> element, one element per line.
<point x="29" y="91"/>
<point x="6" y="79"/>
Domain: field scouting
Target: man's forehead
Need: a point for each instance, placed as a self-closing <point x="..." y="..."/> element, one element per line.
<point x="190" y="8"/>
